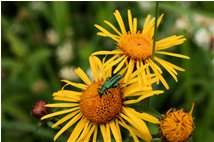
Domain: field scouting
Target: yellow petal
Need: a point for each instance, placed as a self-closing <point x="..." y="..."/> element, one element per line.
<point x="193" y="104"/>
<point x="113" y="27"/>
<point x="173" y="54"/>
<point x="92" y="129"/>
<point x="108" y="52"/>
<point x="122" y="123"/>
<point x="170" y="64"/>
<point x="170" y="70"/>
<point x="140" y="77"/>
<point x="120" y="21"/>
<point x="129" y="71"/>
<point x="62" y="105"/>
<point x="147" y="28"/>
<point x="106" y="33"/>
<point x="95" y="134"/>
<point x="155" y="66"/>
<point x="114" y="131"/>
<point x="77" y="130"/>
<point x="83" y="76"/>
<point x="94" y="68"/>
<point x="104" y="133"/>
<point x="78" y="85"/>
<point x="67" y="99"/>
<point x="59" y="113"/>
<point x="118" y="128"/>
<point x="146" y="23"/>
<point x="115" y="62"/>
<point x="135" y="25"/>
<point x="84" y="132"/>
<point x="108" y="131"/>
<point x="119" y="66"/>
<point x="137" y="123"/>
<point x="145" y="116"/>
<point x="169" y="42"/>
<point x="101" y="67"/>
<point x="149" y="118"/>
<point x="130" y="20"/>
<point x="68" y="93"/>
<point x="145" y="95"/>
<point x="69" y="124"/>
<point x="67" y="117"/>
<point x="110" y="60"/>
<point x="159" y="76"/>
<point x="151" y="32"/>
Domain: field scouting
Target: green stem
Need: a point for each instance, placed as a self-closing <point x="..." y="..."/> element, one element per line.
<point x="52" y="76"/>
<point x="155" y="30"/>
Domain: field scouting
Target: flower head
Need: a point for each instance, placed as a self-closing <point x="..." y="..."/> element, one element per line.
<point x="177" y="126"/>
<point x="93" y="108"/>
<point x="135" y="48"/>
<point x="39" y="109"/>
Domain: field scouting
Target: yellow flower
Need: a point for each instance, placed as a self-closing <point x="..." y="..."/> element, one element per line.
<point x="135" y="47"/>
<point x="177" y="126"/>
<point x="92" y="111"/>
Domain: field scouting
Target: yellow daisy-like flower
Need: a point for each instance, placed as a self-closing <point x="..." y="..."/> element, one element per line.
<point x="92" y="111"/>
<point x="135" y="47"/>
<point x="177" y="126"/>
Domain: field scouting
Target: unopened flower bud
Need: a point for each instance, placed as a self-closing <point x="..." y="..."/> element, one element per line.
<point x="39" y="109"/>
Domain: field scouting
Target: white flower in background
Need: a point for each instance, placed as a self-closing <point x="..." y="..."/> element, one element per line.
<point x="52" y="37"/>
<point x="145" y="5"/>
<point x="203" y="38"/>
<point x="68" y="73"/>
<point x="203" y="21"/>
<point x="37" y="5"/>
<point x="182" y="23"/>
<point x="65" y="52"/>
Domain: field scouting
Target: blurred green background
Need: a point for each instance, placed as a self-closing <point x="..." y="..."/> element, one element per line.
<point x="43" y="42"/>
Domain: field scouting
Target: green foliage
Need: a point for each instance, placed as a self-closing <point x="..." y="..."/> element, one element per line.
<point x="30" y="67"/>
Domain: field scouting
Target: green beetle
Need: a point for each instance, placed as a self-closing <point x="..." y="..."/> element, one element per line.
<point x="110" y="82"/>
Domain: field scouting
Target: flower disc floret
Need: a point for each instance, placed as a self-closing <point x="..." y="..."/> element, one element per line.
<point x="136" y="46"/>
<point x="100" y="108"/>
<point x="177" y="126"/>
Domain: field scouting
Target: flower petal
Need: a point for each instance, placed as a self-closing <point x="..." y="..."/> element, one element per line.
<point x="113" y="27"/>
<point x="68" y="125"/>
<point x="172" y="54"/>
<point x="83" y="76"/>
<point x="115" y="131"/>
<point x="59" y="113"/>
<point x="62" y="105"/>
<point x="77" y="130"/>
<point x="94" y="68"/>
<point x="78" y="85"/>
<point x="105" y="133"/>
<point x="108" y="52"/>
<point x="120" y="21"/>
<point x="65" y="118"/>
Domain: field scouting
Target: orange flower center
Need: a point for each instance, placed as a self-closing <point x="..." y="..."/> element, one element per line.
<point x="136" y="46"/>
<point x="177" y="126"/>
<point x="100" y="108"/>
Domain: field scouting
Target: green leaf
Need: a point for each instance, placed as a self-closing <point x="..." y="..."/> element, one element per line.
<point x="39" y="56"/>
<point x="17" y="46"/>
<point x="156" y="140"/>
<point x="150" y="110"/>
<point x="154" y="130"/>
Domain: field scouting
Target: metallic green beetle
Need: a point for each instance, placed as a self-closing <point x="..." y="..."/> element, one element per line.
<point x="110" y="82"/>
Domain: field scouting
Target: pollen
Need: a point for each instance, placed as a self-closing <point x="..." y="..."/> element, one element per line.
<point x="177" y="126"/>
<point x="101" y="108"/>
<point x="136" y="45"/>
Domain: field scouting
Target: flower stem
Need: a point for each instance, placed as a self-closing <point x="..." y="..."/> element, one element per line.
<point x="155" y="30"/>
